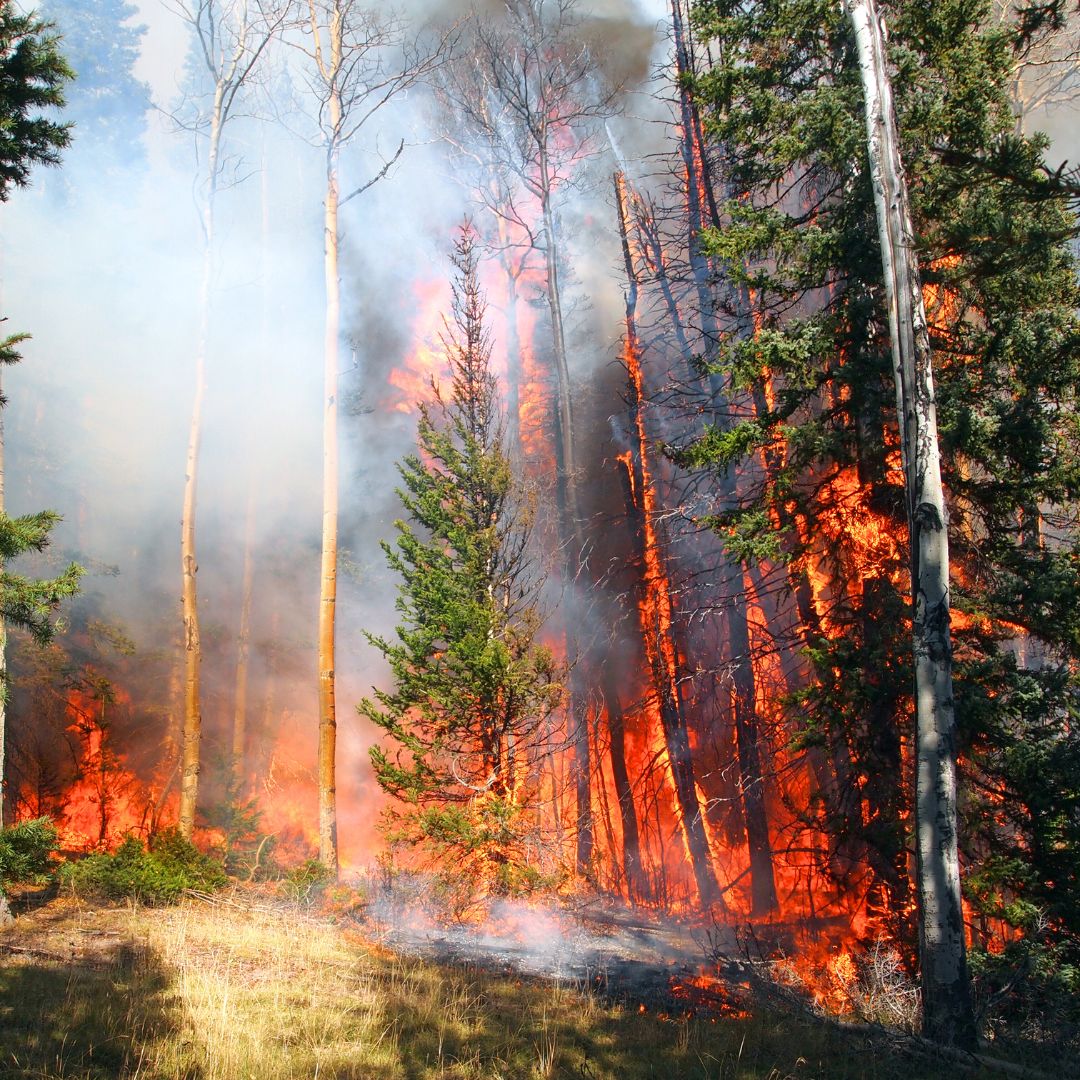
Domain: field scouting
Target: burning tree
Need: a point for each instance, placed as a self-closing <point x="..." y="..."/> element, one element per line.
<point x="472" y="687"/>
<point x="527" y="90"/>
<point x="823" y="457"/>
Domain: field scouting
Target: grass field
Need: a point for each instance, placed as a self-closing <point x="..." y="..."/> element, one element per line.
<point x="217" y="993"/>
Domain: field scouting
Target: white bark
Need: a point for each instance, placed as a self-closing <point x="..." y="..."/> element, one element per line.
<point x="947" y="1012"/>
<point x="347" y="44"/>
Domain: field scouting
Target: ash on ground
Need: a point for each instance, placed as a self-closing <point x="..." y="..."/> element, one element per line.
<point x="626" y="955"/>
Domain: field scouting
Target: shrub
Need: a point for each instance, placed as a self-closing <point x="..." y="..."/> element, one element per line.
<point x="155" y="876"/>
<point x="26" y="850"/>
<point x="1030" y="993"/>
<point x="305" y="884"/>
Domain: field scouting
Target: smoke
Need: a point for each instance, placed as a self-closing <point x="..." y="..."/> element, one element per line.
<point x="591" y="946"/>
<point x="101" y="264"/>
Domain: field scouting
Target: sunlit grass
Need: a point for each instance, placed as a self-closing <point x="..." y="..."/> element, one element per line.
<point x="205" y="993"/>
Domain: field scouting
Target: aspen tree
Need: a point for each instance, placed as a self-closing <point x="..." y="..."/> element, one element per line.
<point x="230" y="39"/>
<point x="946" y="994"/>
<point x="358" y="61"/>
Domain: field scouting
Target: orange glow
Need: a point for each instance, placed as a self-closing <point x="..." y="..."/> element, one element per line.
<point x="427" y="358"/>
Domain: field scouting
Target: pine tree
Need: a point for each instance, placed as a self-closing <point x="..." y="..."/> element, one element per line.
<point x="33" y="74"/>
<point x="817" y="414"/>
<point x="472" y="688"/>
<point x="107" y="104"/>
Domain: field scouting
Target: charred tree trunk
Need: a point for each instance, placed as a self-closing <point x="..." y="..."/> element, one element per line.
<point x="947" y="1009"/>
<point x="748" y="745"/>
<point x="636" y="883"/>
<point x="656" y="607"/>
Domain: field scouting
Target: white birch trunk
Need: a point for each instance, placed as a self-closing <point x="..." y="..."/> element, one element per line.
<point x="192" y="729"/>
<point x="947" y="1010"/>
<point x="328" y="840"/>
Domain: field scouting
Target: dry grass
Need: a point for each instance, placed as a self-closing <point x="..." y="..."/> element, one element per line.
<point x="214" y="994"/>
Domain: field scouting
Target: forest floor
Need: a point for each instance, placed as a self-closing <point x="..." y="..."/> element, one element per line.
<point x="248" y="987"/>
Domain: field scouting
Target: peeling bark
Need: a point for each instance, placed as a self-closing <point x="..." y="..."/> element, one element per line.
<point x="947" y="1010"/>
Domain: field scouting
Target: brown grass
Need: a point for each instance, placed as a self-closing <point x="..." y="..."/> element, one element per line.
<point x="205" y="993"/>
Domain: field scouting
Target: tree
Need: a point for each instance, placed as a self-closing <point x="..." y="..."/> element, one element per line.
<point x="823" y="495"/>
<point x="230" y="38"/>
<point x="358" y="62"/>
<point x="1044" y="74"/>
<point x="946" y="994"/>
<point x="107" y="104"/>
<point x="33" y="74"/>
<point x="528" y="89"/>
<point x="472" y="688"/>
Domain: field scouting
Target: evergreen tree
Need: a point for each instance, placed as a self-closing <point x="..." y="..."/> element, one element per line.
<point x="816" y="440"/>
<point x="472" y="688"/>
<point x="32" y="77"/>
<point x="107" y="104"/>
<point x="33" y="74"/>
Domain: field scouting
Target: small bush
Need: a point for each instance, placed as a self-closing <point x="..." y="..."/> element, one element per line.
<point x="1030" y="994"/>
<point x="306" y="883"/>
<point x="155" y="876"/>
<point x="26" y="850"/>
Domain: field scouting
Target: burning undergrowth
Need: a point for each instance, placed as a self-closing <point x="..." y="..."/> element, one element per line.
<point x="644" y="960"/>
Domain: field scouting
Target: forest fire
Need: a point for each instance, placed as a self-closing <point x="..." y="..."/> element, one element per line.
<point x="627" y="626"/>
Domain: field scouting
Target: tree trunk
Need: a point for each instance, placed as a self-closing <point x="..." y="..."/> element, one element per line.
<point x="513" y="340"/>
<point x="701" y="211"/>
<point x="328" y="845"/>
<point x="637" y="885"/>
<point x="569" y="532"/>
<point x="748" y="746"/>
<point x="655" y="607"/>
<point x="189" y="567"/>
<point x="947" y="1008"/>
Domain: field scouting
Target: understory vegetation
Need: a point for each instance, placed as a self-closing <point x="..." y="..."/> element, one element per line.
<point x="154" y="874"/>
<point x="219" y="993"/>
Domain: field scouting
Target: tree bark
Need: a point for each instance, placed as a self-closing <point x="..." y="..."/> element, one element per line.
<point x="189" y="567"/>
<point x="328" y="849"/>
<point x="947" y="1008"/>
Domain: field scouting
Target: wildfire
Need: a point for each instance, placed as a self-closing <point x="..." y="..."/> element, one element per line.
<point x="426" y="359"/>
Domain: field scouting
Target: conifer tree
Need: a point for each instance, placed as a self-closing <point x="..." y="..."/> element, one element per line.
<point x="33" y="74"/>
<point x="816" y="414"/>
<point x="472" y="688"/>
<point x="108" y="105"/>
